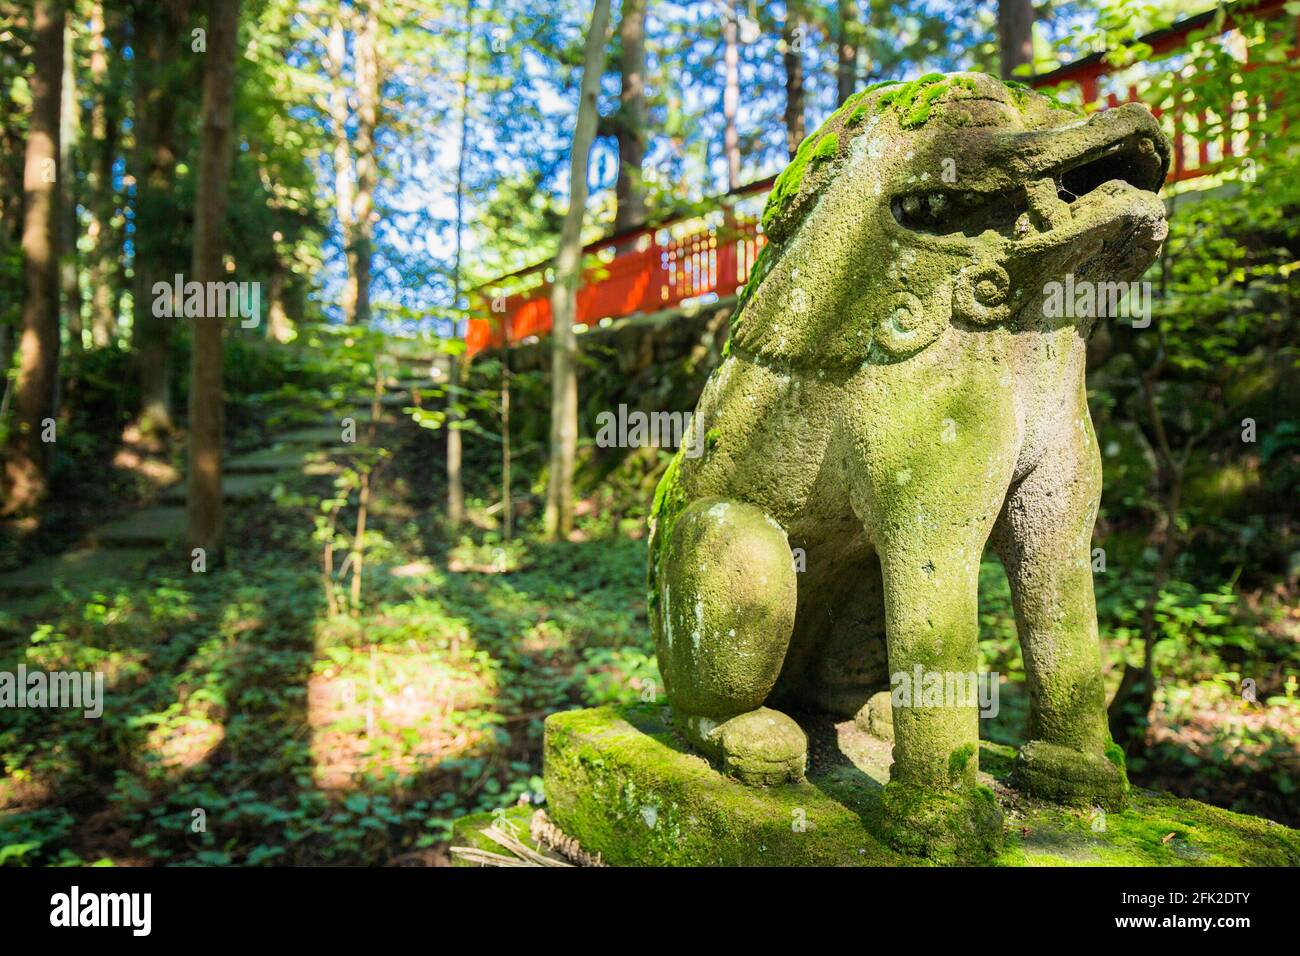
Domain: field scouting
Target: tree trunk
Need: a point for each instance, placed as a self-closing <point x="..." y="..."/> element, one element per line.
<point x="731" y="95"/>
<point x="455" y="484"/>
<point x="69" y="130"/>
<point x="25" y="468"/>
<point x="629" y="190"/>
<point x="1015" y="35"/>
<point x="846" y="73"/>
<point x="368" y="54"/>
<point x="792" y="35"/>
<point x="564" y="293"/>
<point x="104" y="245"/>
<point x="336" y="51"/>
<point x="156" y="46"/>
<point x="278" y="326"/>
<point x="507" y="497"/>
<point x="203" y="494"/>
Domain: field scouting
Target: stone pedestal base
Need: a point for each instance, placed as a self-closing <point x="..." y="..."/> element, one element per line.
<point x="625" y="786"/>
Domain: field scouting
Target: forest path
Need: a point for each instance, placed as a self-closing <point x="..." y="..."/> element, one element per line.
<point x="124" y="547"/>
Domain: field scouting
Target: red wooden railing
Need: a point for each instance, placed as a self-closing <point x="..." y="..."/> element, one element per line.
<point x="1202" y="137"/>
<point x="639" y="271"/>
<point x="653" y="267"/>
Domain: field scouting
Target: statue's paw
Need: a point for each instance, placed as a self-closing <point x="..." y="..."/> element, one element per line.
<point x="1064" y="775"/>
<point x="947" y="826"/>
<point x="763" y="747"/>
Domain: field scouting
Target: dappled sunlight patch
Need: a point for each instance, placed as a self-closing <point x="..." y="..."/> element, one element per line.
<point x="489" y="556"/>
<point x="141" y="455"/>
<point x="543" y="639"/>
<point x="1228" y="742"/>
<point x="177" y="746"/>
<point x="20" y="790"/>
<point x="393" y="712"/>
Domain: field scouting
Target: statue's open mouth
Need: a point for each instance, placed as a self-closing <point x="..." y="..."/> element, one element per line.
<point x="1133" y="160"/>
<point x="1050" y="197"/>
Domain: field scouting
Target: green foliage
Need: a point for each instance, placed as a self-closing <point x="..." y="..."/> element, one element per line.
<point x="1209" y="742"/>
<point x="307" y="738"/>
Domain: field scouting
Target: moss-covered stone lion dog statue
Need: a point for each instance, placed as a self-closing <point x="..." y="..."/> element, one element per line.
<point x="893" y="397"/>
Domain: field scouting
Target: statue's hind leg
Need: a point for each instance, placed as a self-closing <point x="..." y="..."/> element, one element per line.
<point x="722" y="623"/>
<point x="1044" y="539"/>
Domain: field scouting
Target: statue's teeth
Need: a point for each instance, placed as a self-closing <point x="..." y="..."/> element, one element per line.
<point x="1048" y="208"/>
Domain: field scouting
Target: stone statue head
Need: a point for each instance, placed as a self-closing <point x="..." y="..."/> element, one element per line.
<point x="952" y="199"/>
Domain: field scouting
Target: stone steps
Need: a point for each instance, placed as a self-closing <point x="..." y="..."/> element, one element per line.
<point x="157" y="527"/>
<point x="82" y="566"/>
<point x="267" y="460"/>
<point x="410" y="384"/>
<point x="320" y="436"/>
<point x="122" y="548"/>
<point x="420" y="366"/>
<point x="393" y="399"/>
<point x="234" y="487"/>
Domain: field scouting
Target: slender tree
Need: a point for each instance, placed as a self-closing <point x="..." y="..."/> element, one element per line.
<point x="368" y="65"/>
<point x="156" y="50"/>
<point x="27" y="461"/>
<point x="846" y="72"/>
<point x="507" y="496"/>
<point x="335" y="56"/>
<point x="629" y="190"/>
<point x="564" y="292"/>
<point x="278" y="326"/>
<point x="105" y="244"/>
<point x="356" y="164"/>
<point x="792" y="41"/>
<point x="203" y="494"/>
<point x="731" y="92"/>
<point x="69" y="133"/>
<point x="455" y="484"/>
<point x="1015" y="35"/>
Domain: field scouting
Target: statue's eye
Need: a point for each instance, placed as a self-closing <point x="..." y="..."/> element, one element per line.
<point x="954" y="212"/>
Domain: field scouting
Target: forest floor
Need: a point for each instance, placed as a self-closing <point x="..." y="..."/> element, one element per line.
<point x="301" y="736"/>
<point x="246" y="723"/>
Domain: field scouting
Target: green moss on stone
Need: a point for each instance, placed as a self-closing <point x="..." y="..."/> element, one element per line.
<point x="468" y="831"/>
<point x="958" y="760"/>
<point x="629" y="785"/>
<point x="913" y="101"/>
<point x="948" y="826"/>
<point x="1115" y="754"/>
<point x="668" y="501"/>
<point x="625" y="785"/>
<point x="1021" y="93"/>
<point x="826" y="147"/>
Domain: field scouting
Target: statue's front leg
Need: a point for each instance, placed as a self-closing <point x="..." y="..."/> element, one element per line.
<point x="929" y="527"/>
<point x="1044" y="538"/>
<point x="933" y="805"/>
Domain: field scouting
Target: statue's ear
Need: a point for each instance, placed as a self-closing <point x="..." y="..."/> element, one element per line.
<point x="981" y="294"/>
<point x="909" y="322"/>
